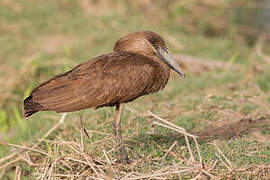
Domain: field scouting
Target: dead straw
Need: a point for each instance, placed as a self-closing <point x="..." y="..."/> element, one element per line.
<point x="81" y="165"/>
<point x="61" y="121"/>
<point x="179" y="129"/>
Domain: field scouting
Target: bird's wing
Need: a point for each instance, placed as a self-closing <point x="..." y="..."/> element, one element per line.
<point x="103" y="81"/>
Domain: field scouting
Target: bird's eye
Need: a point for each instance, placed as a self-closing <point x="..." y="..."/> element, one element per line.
<point x="152" y="41"/>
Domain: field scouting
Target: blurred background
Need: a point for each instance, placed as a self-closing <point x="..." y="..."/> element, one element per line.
<point x="39" y="39"/>
<point x="222" y="46"/>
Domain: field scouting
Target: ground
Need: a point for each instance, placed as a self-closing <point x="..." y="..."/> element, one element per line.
<point x="224" y="107"/>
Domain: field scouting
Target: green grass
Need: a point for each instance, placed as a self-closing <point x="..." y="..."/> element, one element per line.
<point x="263" y="81"/>
<point x="43" y="39"/>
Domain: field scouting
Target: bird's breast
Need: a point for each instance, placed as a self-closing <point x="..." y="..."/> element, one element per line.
<point x="162" y="75"/>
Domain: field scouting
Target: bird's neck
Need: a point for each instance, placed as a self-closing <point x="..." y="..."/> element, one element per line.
<point x="163" y="65"/>
<point x="164" y="74"/>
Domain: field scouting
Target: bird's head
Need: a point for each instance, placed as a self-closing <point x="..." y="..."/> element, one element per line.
<point x="148" y="44"/>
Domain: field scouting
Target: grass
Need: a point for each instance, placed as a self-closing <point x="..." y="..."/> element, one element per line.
<point x="226" y="108"/>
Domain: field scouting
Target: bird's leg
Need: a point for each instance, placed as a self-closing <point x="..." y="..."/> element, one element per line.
<point x="117" y="131"/>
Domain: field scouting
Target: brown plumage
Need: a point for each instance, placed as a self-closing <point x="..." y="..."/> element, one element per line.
<point x="139" y="65"/>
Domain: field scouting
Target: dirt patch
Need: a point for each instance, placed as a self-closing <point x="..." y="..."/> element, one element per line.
<point x="260" y="137"/>
<point x="230" y="130"/>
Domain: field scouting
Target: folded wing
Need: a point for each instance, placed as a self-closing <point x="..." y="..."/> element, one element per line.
<point x="103" y="81"/>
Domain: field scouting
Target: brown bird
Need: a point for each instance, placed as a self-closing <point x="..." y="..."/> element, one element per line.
<point x="139" y="65"/>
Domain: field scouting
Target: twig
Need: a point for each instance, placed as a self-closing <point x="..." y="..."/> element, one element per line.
<point x="170" y="149"/>
<point x="186" y="138"/>
<point x="227" y="160"/>
<point x="87" y="135"/>
<point x="17" y="170"/>
<point x="9" y="163"/>
<point x="106" y="156"/>
<point x="178" y="129"/>
<point x="189" y="148"/>
<point x="61" y="121"/>
<point x="228" y="167"/>
<point x="198" y="150"/>
<point x="27" y="148"/>
<point x="8" y="157"/>
<point x="30" y="163"/>
<point x="131" y="110"/>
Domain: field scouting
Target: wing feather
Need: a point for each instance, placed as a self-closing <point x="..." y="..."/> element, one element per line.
<point x="103" y="81"/>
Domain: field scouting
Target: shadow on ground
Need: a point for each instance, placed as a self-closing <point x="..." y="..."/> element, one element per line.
<point x="222" y="131"/>
<point x="231" y="130"/>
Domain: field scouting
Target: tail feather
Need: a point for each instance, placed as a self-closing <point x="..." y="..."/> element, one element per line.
<point x="30" y="107"/>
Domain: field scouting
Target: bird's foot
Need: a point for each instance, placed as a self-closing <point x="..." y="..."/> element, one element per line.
<point x="123" y="159"/>
<point x="124" y="156"/>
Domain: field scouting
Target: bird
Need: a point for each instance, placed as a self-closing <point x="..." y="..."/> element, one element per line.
<point x="139" y="65"/>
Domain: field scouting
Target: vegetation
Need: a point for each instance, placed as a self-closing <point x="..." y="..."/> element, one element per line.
<point x="228" y="108"/>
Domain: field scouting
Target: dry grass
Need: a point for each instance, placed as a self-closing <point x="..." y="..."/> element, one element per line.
<point x="64" y="159"/>
<point x="72" y="155"/>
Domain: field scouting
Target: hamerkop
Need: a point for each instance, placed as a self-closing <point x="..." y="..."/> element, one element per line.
<point x="139" y="65"/>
